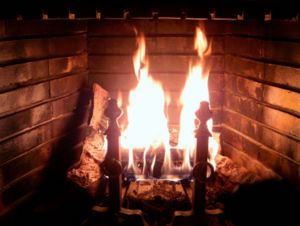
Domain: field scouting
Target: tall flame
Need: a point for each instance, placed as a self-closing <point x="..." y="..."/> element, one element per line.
<point x="195" y="91"/>
<point x="147" y="125"/>
<point x="147" y="129"/>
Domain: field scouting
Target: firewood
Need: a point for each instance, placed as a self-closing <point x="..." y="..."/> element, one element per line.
<point x="94" y="149"/>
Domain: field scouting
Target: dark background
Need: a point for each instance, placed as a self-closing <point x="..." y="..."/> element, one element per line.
<point x="253" y="9"/>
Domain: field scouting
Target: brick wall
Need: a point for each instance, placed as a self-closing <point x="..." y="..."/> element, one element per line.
<point x="44" y="66"/>
<point x="43" y="102"/>
<point x="261" y="95"/>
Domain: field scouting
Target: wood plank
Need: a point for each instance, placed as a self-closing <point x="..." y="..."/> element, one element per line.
<point x="286" y="123"/>
<point x="14" y="28"/>
<point x="243" y="66"/>
<point x="24" y="73"/>
<point x="15" y="99"/>
<point x="67" y="84"/>
<point x="279" y="142"/>
<point x="24" y="119"/>
<point x="72" y="64"/>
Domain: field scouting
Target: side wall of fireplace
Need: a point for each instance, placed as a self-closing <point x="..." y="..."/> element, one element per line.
<point x="43" y="70"/>
<point x="262" y="95"/>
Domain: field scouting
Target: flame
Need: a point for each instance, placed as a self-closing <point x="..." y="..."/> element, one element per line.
<point x="147" y="125"/>
<point x="147" y="129"/>
<point x="195" y="91"/>
<point x="119" y="99"/>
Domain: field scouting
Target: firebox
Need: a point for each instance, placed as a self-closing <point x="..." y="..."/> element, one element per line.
<point x="65" y="82"/>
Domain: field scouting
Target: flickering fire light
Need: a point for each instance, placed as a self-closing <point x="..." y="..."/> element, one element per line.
<point x="147" y="130"/>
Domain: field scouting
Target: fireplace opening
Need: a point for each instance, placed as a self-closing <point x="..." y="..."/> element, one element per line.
<point x="58" y="76"/>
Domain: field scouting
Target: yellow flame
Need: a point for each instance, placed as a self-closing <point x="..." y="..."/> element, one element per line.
<point x="200" y="42"/>
<point x="195" y="91"/>
<point x="119" y="99"/>
<point x="147" y="124"/>
<point x="147" y="128"/>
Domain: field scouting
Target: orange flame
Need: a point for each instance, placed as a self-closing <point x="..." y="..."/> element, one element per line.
<point x="147" y="128"/>
<point x="195" y="91"/>
<point x="147" y="125"/>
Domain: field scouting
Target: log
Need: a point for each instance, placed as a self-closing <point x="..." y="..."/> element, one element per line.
<point x="94" y="149"/>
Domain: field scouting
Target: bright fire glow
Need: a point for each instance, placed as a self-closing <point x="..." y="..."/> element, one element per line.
<point x="147" y="125"/>
<point x="147" y="129"/>
<point x="195" y="91"/>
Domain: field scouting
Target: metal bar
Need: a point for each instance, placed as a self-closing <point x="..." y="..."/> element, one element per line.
<point x="111" y="165"/>
<point x="201" y="154"/>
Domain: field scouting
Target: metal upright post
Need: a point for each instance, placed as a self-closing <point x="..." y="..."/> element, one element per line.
<point x="200" y="158"/>
<point x="111" y="165"/>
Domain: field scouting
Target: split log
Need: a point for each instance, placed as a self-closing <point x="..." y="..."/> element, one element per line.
<point x="94" y="149"/>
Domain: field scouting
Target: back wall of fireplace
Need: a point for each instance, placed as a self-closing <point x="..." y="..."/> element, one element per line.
<point x="47" y="68"/>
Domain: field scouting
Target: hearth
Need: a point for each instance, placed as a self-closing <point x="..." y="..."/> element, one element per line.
<point x="56" y="73"/>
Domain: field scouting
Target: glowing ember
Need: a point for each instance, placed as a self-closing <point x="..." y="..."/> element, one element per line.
<point x="147" y="129"/>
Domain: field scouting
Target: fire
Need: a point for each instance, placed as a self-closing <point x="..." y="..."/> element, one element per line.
<point x="195" y="91"/>
<point x="147" y="124"/>
<point x="147" y="130"/>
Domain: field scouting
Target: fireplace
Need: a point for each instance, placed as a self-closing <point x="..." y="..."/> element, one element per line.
<point x="48" y="68"/>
